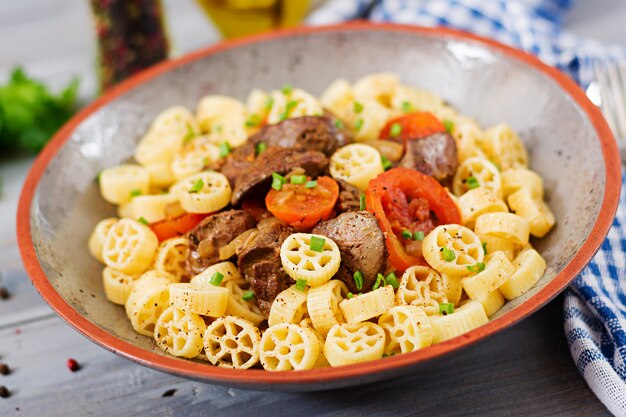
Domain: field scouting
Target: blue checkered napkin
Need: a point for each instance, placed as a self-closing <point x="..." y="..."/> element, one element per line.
<point x="531" y="25"/>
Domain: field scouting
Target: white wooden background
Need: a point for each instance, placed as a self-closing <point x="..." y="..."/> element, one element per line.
<point x="525" y="370"/>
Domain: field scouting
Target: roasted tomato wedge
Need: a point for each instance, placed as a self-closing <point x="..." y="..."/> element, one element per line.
<point x="403" y="199"/>
<point x="303" y="207"/>
<point x="414" y="125"/>
<point x="177" y="226"/>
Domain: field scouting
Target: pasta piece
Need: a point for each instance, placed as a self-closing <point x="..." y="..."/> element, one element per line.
<point x="494" y="244"/>
<point x="323" y="305"/>
<point x="504" y="147"/>
<point x="367" y="124"/>
<point x="206" y="300"/>
<point x="232" y="342"/>
<point x="193" y="160"/>
<point x="179" y="333"/>
<point x="465" y="318"/>
<point x="227" y="269"/>
<point x="477" y="172"/>
<point x="239" y="307"/>
<point x="300" y="262"/>
<point x="98" y="237"/>
<point x="423" y="287"/>
<point x="451" y="248"/>
<point x="206" y="192"/>
<point x="159" y="147"/>
<point x="125" y="211"/>
<point x="407" y="328"/>
<point x="213" y="110"/>
<point x="147" y="300"/>
<point x="504" y="225"/>
<point x="445" y="112"/>
<point x="257" y="103"/>
<point x="129" y="247"/>
<point x="161" y="174"/>
<point x="479" y="201"/>
<point x="514" y="179"/>
<point x="287" y="347"/>
<point x="338" y="97"/>
<point x="172" y="256"/>
<point x="321" y="362"/>
<point x="377" y="87"/>
<point x="288" y="307"/>
<point x="497" y="270"/>
<point x="452" y="288"/>
<point x="529" y="268"/>
<point x="467" y="134"/>
<point x="117" y="285"/>
<point x="407" y="98"/>
<point x="118" y="184"/>
<point x="349" y="343"/>
<point x="296" y="103"/>
<point x="177" y="121"/>
<point x="356" y="164"/>
<point x="492" y="302"/>
<point x="367" y="306"/>
<point x="539" y="216"/>
<point x="151" y="207"/>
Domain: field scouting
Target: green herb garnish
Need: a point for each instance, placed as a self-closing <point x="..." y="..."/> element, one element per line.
<point x="197" y="186"/>
<point x="287" y="89"/>
<point x="290" y="106"/>
<point x="380" y="282"/>
<point x="259" y="148"/>
<point x="392" y="280"/>
<point x="298" y="179"/>
<point x="278" y="181"/>
<point x="362" y="202"/>
<point x="477" y="267"/>
<point x="395" y="130"/>
<point x="448" y="254"/>
<point x="485" y="247"/>
<point x="338" y="124"/>
<point x="449" y="125"/>
<point x="143" y="221"/>
<point x="407" y="234"/>
<point x="419" y="235"/>
<point x="358" y="280"/>
<point x="301" y="284"/>
<point x="135" y="193"/>
<point x="225" y="149"/>
<point x="253" y="121"/>
<point x="358" y="124"/>
<point x="247" y="295"/>
<point x="446" y="308"/>
<point x="317" y="244"/>
<point x="472" y="182"/>
<point x="216" y="279"/>
<point x="358" y="107"/>
<point x="310" y="184"/>
<point x="407" y="107"/>
<point x="386" y="162"/>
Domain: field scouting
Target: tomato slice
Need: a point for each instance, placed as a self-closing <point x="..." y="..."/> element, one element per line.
<point x="177" y="226"/>
<point x="415" y="125"/>
<point x="303" y="207"/>
<point x="405" y="199"/>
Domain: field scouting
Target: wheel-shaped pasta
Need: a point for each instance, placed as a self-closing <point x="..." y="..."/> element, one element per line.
<point x="98" y="237"/>
<point x="129" y="247"/>
<point x="227" y="270"/>
<point x="477" y="172"/>
<point x="240" y="305"/>
<point x="157" y="147"/>
<point x="176" y="120"/>
<point x="451" y="248"/>
<point x="172" y="256"/>
<point x="367" y="124"/>
<point x="479" y="201"/>
<point x="288" y="307"/>
<point x="117" y="285"/>
<point x="423" y="287"/>
<point x="193" y="160"/>
<point x="407" y="99"/>
<point x="321" y="358"/>
<point x="349" y="343"/>
<point x="338" y="98"/>
<point x="407" y="328"/>
<point x="536" y="211"/>
<point x="118" y="184"/>
<point x="504" y="225"/>
<point x="467" y="134"/>
<point x="504" y="147"/>
<point x="213" y="110"/>
<point x="151" y="207"/>
<point x="367" y="306"/>
<point x="314" y="266"/>
<point x="380" y="87"/>
<point x="179" y="333"/>
<point x="149" y="297"/>
<point x="497" y="269"/>
<point x="492" y="302"/>
<point x="529" y="268"/>
<point x="514" y="179"/>
<point x="323" y="305"/>
<point x="232" y="342"/>
<point x="161" y="174"/>
<point x="296" y="103"/>
<point x="206" y="300"/>
<point x="287" y="347"/>
<point x="493" y="244"/>
<point x="206" y="192"/>
<point x="465" y="318"/>
<point x="356" y="164"/>
<point x="452" y="288"/>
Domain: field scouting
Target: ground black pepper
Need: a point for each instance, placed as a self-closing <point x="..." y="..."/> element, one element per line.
<point x="169" y="392"/>
<point x="4" y="369"/>
<point x="4" y="293"/>
<point x="4" y="392"/>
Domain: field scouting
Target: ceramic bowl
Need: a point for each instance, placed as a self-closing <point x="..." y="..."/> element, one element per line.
<point x="570" y="146"/>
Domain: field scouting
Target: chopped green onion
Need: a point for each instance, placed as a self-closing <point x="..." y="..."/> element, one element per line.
<point x="301" y="284"/>
<point x="407" y="107"/>
<point x="216" y="279"/>
<point x="143" y="221"/>
<point x="407" y="234"/>
<point x="358" y="279"/>
<point x="392" y="280"/>
<point x="477" y="267"/>
<point x="253" y="121"/>
<point x="190" y="133"/>
<point x="247" y="295"/>
<point x="395" y="130"/>
<point x="197" y="186"/>
<point x="225" y="149"/>
<point x="380" y="281"/>
<point x="218" y="128"/>
<point x="449" y="125"/>
<point x="135" y="193"/>
<point x="338" y="124"/>
<point x="317" y="244"/>
<point x="386" y="162"/>
<point x="362" y="202"/>
<point x="448" y="254"/>
<point x="290" y="105"/>
<point x="418" y="235"/>
<point x="446" y="308"/>
<point x="350" y="295"/>
<point x="259" y="148"/>
<point x="485" y="247"/>
<point x="287" y="89"/>
<point x="205" y="161"/>
<point x="310" y="184"/>
<point x="358" y="124"/>
<point x="472" y="182"/>
<point x="278" y="181"/>
<point x="269" y="103"/>
<point x="358" y="107"/>
<point x="298" y="179"/>
<point x="98" y="176"/>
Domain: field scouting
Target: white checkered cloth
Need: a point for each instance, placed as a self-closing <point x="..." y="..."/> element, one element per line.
<point x="595" y="304"/>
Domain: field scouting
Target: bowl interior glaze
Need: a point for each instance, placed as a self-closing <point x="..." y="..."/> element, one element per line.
<point x="481" y="81"/>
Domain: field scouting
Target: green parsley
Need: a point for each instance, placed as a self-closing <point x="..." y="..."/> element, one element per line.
<point x="317" y="244"/>
<point x="288" y="108"/>
<point x="392" y="280"/>
<point x="358" y="107"/>
<point x="407" y="107"/>
<point x="472" y="182"/>
<point x="362" y="202"/>
<point x="225" y="149"/>
<point x="143" y="221"/>
<point x="287" y="89"/>
<point x="298" y="179"/>
<point x="190" y="133"/>
<point x="301" y="284"/>
<point x="485" y="247"/>
<point x="259" y="148"/>
<point x="338" y="124"/>
<point x="358" y="279"/>
<point x="446" y="308"/>
<point x="350" y="295"/>
<point x="269" y="103"/>
<point x="386" y="162"/>
<point x="380" y="282"/>
<point x="216" y="279"/>
<point x="253" y="121"/>
<point x="247" y="295"/>
<point x="418" y="235"/>
<point x="358" y="124"/>
<point x="278" y="181"/>
<point x="197" y="186"/>
<point x="477" y="267"/>
<point x="135" y="193"/>
<point x="395" y="130"/>
<point x="310" y="184"/>
<point x="449" y="125"/>
<point x="407" y="234"/>
<point x="448" y="254"/>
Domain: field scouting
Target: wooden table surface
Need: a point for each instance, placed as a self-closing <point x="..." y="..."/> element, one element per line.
<point x="525" y="370"/>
